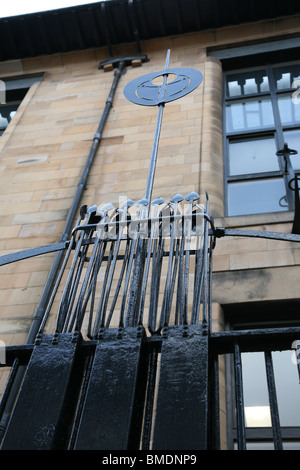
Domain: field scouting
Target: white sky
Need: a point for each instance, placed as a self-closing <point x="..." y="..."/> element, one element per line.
<point x="17" y="7"/>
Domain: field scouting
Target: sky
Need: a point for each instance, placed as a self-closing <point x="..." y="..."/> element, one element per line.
<point x="17" y="7"/>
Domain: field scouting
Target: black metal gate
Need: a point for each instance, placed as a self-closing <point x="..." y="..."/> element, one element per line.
<point x="133" y="362"/>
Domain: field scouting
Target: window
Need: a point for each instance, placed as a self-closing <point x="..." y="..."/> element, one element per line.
<point x="259" y="434"/>
<point x="256" y="399"/>
<point x="260" y="117"/>
<point x="13" y="92"/>
<point x="7" y="112"/>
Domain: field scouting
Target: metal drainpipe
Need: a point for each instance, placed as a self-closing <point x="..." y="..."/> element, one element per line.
<point x="39" y="313"/>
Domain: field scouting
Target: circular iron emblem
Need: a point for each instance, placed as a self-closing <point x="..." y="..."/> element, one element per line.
<point x="145" y="92"/>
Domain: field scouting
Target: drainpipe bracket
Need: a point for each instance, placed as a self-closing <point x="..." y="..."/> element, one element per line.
<point x="113" y="62"/>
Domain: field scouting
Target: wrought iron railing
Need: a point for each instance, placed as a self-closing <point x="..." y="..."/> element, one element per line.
<point x="133" y="360"/>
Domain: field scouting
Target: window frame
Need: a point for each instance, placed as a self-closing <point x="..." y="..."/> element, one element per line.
<point x="277" y="131"/>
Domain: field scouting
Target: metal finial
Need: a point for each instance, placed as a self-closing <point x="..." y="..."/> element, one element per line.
<point x="145" y="92"/>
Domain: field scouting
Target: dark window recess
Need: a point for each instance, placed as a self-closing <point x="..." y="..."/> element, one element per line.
<point x="262" y="113"/>
<point x="12" y="94"/>
<point x="7" y="112"/>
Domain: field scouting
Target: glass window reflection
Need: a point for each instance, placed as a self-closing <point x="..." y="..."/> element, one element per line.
<point x="289" y="112"/>
<point x="249" y="115"/>
<point x="253" y="156"/>
<point x="247" y="83"/>
<point x="256" y="399"/>
<point x="285" y="76"/>
<point x="255" y="196"/>
<point x="261" y="115"/>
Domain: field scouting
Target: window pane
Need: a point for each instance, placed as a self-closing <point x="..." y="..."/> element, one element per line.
<point x="289" y="111"/>
<point x="253" y="156"/>
<point x="246" y="83"/>
<point x="256" y="196"/>
<point x="284" y="76"/>
<point x="249" y="115"/>
<point x="292" y="138"/>
<point x="256" y="400"/>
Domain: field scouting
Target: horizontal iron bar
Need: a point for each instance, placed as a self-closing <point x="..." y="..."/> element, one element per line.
<point x="217" y="232"/>
<point x="262" y="339"/>
<point x="23" y="352"/>
<point x="224" y="232"/>
<point x="222" y="342"/>
<point x="138" y="221"/>
<point x="31" y="252"/>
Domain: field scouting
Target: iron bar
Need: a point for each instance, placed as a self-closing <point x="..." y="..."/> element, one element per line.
<point x="124" y="214"/>
<point x="259" y="339"/>
<point x="226" y="232"/>
<point x="273" y="401"/>
<point x="151" y="384"/>
<point x="198" y="277"/>
<point x="205" y="261"/>
<point x="180" y="281"/>
<point x="158" y="250"/>
<point x="170" y="281"/>
<point x="153" y="233"/>
<point x="117" y="290"/>
<point x="153" y="159"/>
<point x="190" y="198"/>
<point x="239" y="398"/>
<point x="92" y="291"/>
<point x="139" y="245"/>
<point x="88" y="283"/>
<point x="68" y="297"/>
<point x="31" y="252"/>
<point x="8" y="388"/>
<point x="214" y="405"/>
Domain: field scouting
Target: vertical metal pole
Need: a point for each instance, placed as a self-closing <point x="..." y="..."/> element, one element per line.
<point x="273" y="401"/>
<point x="239" y="397"/>
<point x="153" y="158"/>
<point x="214" y="404"/>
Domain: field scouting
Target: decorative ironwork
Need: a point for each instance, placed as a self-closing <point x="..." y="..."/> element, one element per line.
<point x="144" y="92"/>
<point x="135" y="284"/>
<point x="286" y="152"/>
<point x="104" y="260"/>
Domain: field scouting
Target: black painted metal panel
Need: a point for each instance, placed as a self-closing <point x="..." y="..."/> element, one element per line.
<point x="181" y="412"/>
<point x="36" y="416"/>
<point x="109" y="404"/>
